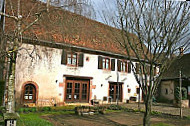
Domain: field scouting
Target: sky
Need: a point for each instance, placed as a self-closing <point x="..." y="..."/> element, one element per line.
<point x="107" y="6"/>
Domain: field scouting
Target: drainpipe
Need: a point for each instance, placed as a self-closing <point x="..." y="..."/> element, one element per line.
<point x="180" y="84"/>
<point x="117" y="87"/>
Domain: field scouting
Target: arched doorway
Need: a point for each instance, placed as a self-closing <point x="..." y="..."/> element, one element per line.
<point x="29" y="93"/>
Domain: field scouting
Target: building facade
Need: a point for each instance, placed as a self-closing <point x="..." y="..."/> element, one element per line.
<point x="47" y="76"/>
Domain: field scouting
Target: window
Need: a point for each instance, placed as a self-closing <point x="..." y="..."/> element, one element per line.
<point x="72" y="58"/>
<point x="29" y="93"/>
<point x="122" y="66"/>
<point x="106" y="63"/>
<point x="166" y="91"/>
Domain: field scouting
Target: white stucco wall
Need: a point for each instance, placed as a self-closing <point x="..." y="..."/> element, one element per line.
<point x="46" y="70"/>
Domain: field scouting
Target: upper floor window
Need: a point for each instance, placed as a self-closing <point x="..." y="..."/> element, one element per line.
<point x="72" y="58"/>
<point x="122" y="66"/>
<point x="106" y="63"/>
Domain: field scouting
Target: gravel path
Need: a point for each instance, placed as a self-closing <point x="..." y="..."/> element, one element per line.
<point x="163" y="108"/>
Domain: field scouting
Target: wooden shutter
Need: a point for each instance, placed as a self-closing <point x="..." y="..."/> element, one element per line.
<point x="81" y="59"/>
<point x="113" y="64"/>
<point x="64" y="57"/>
<point x="155" y="71"/>
<point x="137" y="68"/>
<point x="119" y="65"/>
<point x="100" y="62"/>
<point x="129" y="67"/>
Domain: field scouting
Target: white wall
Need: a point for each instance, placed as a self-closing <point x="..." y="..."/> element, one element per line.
<point x="47" y="71"/>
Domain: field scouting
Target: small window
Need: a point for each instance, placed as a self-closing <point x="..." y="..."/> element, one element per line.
<point x="166" y="91"/>
<point x="72" y="59"/>
<point x="124" y="66"/>
<point x="106" y="63"/>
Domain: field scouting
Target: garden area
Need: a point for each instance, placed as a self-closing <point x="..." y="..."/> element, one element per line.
<point x="111" y="115"/>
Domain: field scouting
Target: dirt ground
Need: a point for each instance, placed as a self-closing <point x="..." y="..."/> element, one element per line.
<point x="111" y="119"/>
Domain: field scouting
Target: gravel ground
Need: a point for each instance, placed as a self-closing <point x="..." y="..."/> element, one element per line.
<point x="159" y="107"/>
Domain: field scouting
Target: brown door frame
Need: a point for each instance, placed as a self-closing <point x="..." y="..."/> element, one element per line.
<point x="81" y="82"/>
<point x="115" y="90"/>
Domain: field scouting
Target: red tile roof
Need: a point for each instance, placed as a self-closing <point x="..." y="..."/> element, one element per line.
<point x="61" y="26"/>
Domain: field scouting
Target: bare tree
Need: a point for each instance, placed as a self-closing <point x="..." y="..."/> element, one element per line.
<point x="152" y="31"/>
<point x="81" y="7"/>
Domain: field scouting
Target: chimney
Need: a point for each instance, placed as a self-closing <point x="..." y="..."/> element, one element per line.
<point x="181" y="51"/>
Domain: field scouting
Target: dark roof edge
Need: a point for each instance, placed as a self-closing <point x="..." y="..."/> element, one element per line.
<point x="63" y="45"/>
<point x="77" y="48"/>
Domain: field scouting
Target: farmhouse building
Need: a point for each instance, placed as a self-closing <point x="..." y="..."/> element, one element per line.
<point x="66" y="58"/>
<point x="171" y="77"/>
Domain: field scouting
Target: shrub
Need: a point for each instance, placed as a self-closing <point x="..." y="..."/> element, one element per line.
<point x="177" y="93"/>
<point x="115" y="107"/>
<point x="46" y="109"/>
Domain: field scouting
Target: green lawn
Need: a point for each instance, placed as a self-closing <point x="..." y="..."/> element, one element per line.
<point x="34" y="119"/>
<point x="161" y="124"/>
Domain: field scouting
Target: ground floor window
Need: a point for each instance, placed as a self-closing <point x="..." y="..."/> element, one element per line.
<point x="29" y="93"/>
<point x="115" y="91"/>
<point x="77" y="91"/>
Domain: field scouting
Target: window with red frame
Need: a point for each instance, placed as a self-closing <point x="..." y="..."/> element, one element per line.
<point x="106" y="63"/>
<point x="122" y="66"/>
<point x="72" y="59"/>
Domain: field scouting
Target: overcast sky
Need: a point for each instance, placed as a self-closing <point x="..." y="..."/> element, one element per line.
<point x="106" y="6"/>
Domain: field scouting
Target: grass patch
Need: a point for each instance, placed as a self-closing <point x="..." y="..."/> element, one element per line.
<point x="161" y="124"/>
<point x="34" y="119"/>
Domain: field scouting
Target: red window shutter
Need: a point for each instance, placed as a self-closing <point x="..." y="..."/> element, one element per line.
<point x="100" y="62"/>
<point x="113" y="64"/>
<point x="64" y="57"/>
<point x="81" y="59"/>
<point x="119" y="65"/>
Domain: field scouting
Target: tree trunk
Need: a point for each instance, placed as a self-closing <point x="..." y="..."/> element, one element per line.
<point x="147" y="114"/>
<point x="11" y="84"/>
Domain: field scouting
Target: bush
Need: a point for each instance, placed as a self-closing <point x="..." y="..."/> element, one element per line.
<point x="46" y="109"/>
<point x="177" y="93"/>
<point x="115" y="107"/>
<point x="27" y="110"/>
